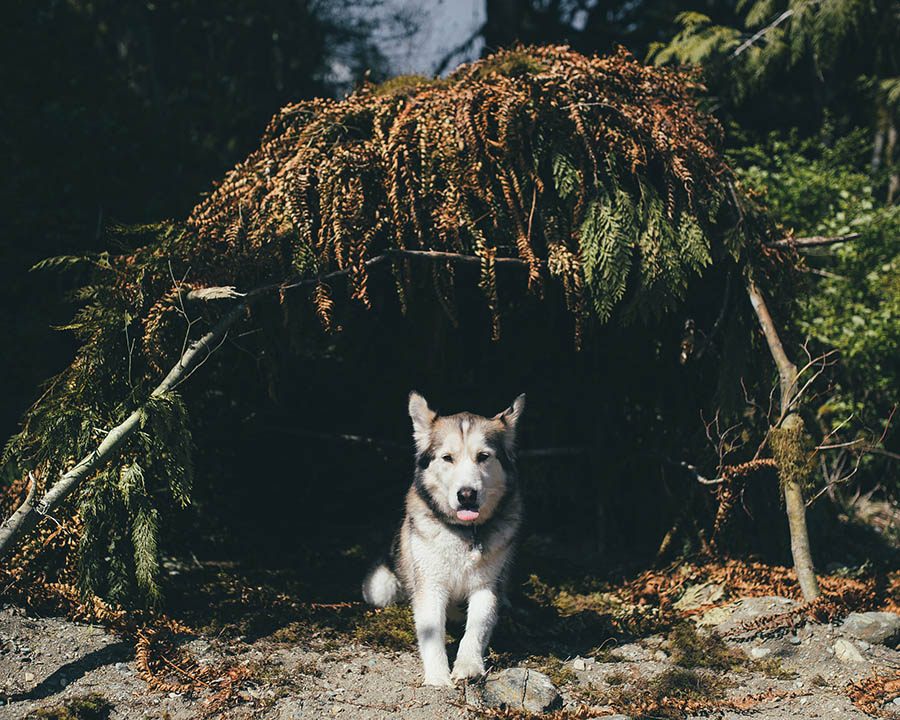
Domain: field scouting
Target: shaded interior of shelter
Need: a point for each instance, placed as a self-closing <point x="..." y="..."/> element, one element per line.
<point x="304" y="464"/>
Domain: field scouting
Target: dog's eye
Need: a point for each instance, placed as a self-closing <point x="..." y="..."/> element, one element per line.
<point x="447" y="458"/>
<point x="482" y="457"/>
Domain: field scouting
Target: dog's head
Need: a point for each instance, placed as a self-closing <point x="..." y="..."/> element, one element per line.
<point x="464" y="461"/>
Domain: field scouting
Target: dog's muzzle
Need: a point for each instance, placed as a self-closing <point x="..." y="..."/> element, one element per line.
<point x="468" y="504"/>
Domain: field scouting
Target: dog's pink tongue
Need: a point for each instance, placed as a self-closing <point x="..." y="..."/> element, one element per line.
<point x="466" y="515"/>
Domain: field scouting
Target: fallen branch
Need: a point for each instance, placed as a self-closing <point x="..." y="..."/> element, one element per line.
<point x="812" y="241"/>
<point x="195" y="354"/>
<point x="28" y="514"/>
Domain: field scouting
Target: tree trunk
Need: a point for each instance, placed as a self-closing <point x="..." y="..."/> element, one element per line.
<point x="788" y="444"/>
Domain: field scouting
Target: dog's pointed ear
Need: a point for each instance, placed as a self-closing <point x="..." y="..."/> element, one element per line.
<point x="510" y="418"/>
<point x="422" y="420"/>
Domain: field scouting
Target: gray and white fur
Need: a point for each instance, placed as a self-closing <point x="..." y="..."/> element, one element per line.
<point x="463" y="513"/>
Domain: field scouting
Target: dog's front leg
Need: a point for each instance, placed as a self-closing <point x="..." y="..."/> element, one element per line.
<point x="430" y="614"/>
<point x="482" y="616"/>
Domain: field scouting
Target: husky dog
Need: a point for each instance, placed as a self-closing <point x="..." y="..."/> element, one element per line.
<point x="455" y="545"/>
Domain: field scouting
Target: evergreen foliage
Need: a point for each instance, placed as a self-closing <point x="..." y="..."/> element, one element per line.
<point x="851" y="300"/>
<point x="599" y="174"/>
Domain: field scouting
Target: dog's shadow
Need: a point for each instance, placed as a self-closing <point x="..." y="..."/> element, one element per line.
<point x="527" y="629"/>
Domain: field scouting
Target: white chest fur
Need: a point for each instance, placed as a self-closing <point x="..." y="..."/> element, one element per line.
<point x="455" y="559"/>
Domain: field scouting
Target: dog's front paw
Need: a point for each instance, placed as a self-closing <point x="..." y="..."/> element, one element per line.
<point x="438" y="679"/>
<point x="465" y="668"/>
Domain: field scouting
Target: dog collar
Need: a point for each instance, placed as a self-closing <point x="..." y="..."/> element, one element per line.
<point x="475" y="549"/>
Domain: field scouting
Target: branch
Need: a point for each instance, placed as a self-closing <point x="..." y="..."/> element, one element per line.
<point x="789" y="382"/>
<point x="28" y="515"/>
<point x="812" y="241"/>
<point x="696" y="473"/>
<point x="787" y="371"/>
<point x="775" y="23"/>
<point x="195" y="354"/>
<point x="227" y="292"/>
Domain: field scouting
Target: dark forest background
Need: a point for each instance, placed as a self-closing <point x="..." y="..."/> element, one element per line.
<point x="128" y="112"/>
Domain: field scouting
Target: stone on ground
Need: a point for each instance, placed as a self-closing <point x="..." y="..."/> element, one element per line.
<point x="873" y="627"/>
<point x="521" y="689"/>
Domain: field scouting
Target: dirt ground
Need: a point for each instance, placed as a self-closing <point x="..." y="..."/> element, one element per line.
<point x="47" y="661"/>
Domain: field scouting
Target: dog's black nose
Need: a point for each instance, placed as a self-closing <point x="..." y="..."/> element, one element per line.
<point x="467" y="497"/>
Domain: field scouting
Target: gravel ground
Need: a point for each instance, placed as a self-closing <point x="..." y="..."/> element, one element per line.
<point x="45" y="661"/>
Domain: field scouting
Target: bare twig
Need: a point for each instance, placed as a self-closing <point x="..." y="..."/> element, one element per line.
<point x="183" y="672"/>
<point x="812" y="241"/>
<point x="226" y="292"/>
<point x="693" y="470"/>
<point x="756" y="36"/>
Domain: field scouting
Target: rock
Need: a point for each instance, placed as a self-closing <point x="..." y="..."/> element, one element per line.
<point x="521" y="689"/>
<point x="744" y="610"/>
<point x="660" y="656"/>
<point x="29" y="676"/>
<point x="846" y="651"/>
<point x="794" y="640"/>
<point x="697" y="595"/>
<point x="758" y="653"/>
<point x="873" y="627"/>
<point x="578" y="664"/>
<point x="632" y="652"/>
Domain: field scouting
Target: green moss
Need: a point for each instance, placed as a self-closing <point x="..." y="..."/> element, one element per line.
<point x="389" y="627"/>
<point x="511" y="63"/>
<point x="793" y="450"/>
<point x="683" y="684"/>
<point x="772" y="667"/>
<point x="407" y="85"/>
<point x="616" y="679"/>
<point x="559" y="672"/>
<point x="308" y="668"/>
<point x="665" y="692"/>
<point x="606" y="655"/>
<point x="83" y="707"/>
<point x="690" y="649"/>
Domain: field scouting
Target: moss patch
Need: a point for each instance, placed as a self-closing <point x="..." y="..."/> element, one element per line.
<point x="408" y="85"/>
<point x="690" y="649"/>
<point x="616" y="679"/>
<point x="83" y="707"/>
<point x="772" y="667"/>
<point x="389" y="627"/>
<point x="793" y="449"/>
<point x="683" y="684"/>
<point x="512" y="63"/>
<point x="666" y="693"/>
<point x="559" y="672"/>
